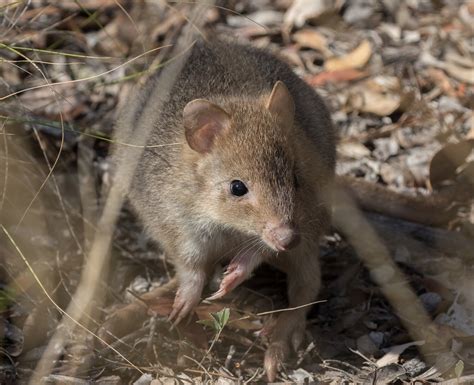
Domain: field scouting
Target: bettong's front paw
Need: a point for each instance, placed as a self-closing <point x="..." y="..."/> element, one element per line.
<point x="184" y="303"/>
<point x="233" y="277"/>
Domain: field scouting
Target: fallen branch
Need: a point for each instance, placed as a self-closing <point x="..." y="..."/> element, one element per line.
<point x="433" y="210"/>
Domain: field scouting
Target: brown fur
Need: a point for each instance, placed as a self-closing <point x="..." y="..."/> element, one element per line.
<point x="286" y="161"/>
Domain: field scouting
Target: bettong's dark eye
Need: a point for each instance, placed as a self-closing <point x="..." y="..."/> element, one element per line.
<point x="238" y="188"/>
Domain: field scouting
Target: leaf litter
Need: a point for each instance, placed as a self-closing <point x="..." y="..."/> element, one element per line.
<point x="398" y="77"/>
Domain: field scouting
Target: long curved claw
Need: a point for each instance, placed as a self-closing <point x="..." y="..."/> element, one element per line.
<point x="234" y="276"/>
<point x="177" y="314"/>
<point x="182" y="307"/>
<point x="218" y="294"/>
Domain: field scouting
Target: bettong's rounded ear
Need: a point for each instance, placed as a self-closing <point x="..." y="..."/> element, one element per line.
<point x="281" y="104"/>
<point x="203" y="122"/>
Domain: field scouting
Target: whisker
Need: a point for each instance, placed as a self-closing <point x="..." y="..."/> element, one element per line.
<point x="240" y="247"/>
<point x="249" y="247"/>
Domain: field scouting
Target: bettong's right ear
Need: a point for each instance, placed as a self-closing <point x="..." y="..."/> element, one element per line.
<point x="281" y="104"/>
<point x="203" y="122"/>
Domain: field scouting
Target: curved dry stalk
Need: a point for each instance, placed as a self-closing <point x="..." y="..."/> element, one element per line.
<point x="376" y="257"/>
<point x="69" y="318"/>
<point x="98" y="255"/>
<point x="5" y="178"/>
<point x="75" y="80"/>
<point x="56" y="160"/>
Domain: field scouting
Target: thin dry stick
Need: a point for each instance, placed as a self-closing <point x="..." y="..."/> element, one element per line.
<point x="56" y="63"/>
<point x="65" y="54"/>
<point x="218" y="375"/>
<point x="265" y="28"/>
<point x="277" y="311"/>
<point x="200" y="365"/>
<point x="77" y="80"/>
<point x="62" y="134"/>
<point x="58" y="193"/>
<point x="135" y="26"/>
<point x="87" y="134"/>
<point x="13" y="22"/>
<point x="5" y="177"/>
<point x="126" y="165"/>
<point x="290" y="308"/>
<point x="38" y="280"/>
<point x="28" y="35"/>
<point x="384" y="272"/>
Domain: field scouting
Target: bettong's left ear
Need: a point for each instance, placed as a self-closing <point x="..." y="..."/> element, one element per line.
<point x="281" y="104"/>
<point x="203" y="123"/>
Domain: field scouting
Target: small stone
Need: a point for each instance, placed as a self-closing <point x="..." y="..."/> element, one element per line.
<point x="300" y="376"/>
<point x="359" y="11"/>
<point x="366" y="346"/>
<point x="370" y="324"/>
<point x="266" y="17"/>
<point x="430" y="301"/>
<point x="385" y="148"/>
<point x="145" y="379"/>
<point x="377" y="338"/>
<point x="411" y="37"/>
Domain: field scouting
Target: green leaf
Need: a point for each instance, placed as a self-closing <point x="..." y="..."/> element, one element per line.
<point x="223" y="317"/>
<point x="218" y="320"/>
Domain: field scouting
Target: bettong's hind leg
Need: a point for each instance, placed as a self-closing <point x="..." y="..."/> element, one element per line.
<point x="303" y="281"/>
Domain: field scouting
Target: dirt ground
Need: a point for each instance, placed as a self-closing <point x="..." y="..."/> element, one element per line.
<point x="398" y="78"/>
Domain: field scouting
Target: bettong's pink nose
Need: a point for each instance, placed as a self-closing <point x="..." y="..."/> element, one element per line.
<point x="283" y="236"/>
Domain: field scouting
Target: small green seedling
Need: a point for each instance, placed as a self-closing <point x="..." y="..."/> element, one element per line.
<point x="218" y="320"/>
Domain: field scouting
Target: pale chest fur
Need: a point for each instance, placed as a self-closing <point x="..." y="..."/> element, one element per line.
<point x="208" y="243"/>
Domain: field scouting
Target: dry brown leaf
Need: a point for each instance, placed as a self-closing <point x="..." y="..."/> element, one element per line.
<point x="292" y="56"/>
<point x="466" y="177"/>
<point x="470" y="134"/>
<point x="392" y="356"/>
<point x="439" y="78"/>
<point x="72" y="5"/>
<point x="357" y="58"/>
<point x="380" y="95"/>
<point x="463" y="61"/>
<point x="346" y="75"/>
<point x="194" y="332"/>
<point x="353" y="150"/>
<point x="458" y="72"/>
<point x="261" y="18"/>
<point x="383" y="84"/>
<point x="162" y="305"/>
<point x="309" y="38"/>
<point x="462" y="74"/>
<point x="366" y="100"/>
<point x="302" y="10"/>
<point x="446" y="161"/>
<point x="44" y="100"/>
